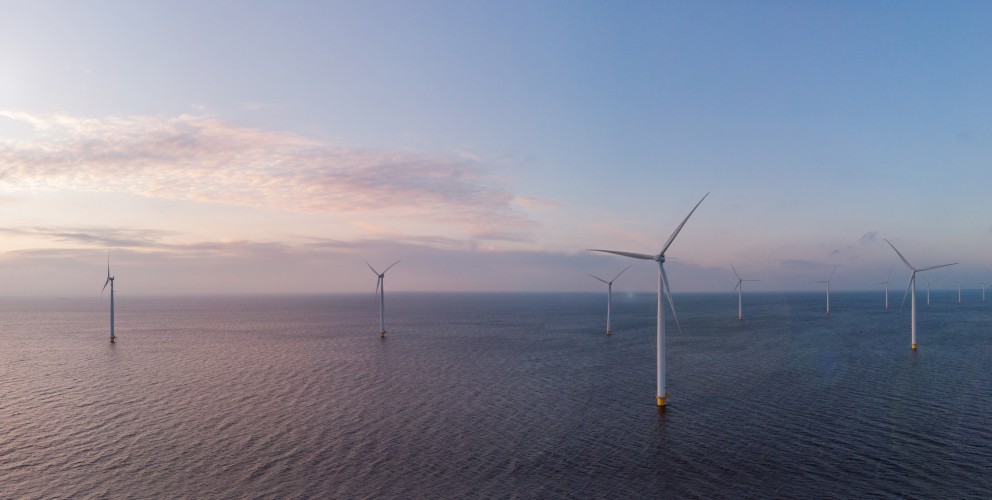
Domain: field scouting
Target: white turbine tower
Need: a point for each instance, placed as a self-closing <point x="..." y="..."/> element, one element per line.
<point x="739" y="288"/>
<point x="928" y="290"/>
<point x="827" y="281"/>
<point x="912" y="283"/>
<point x="609" y="297"/>
<point x="110" y="281"/>
<point x="886" y="283"/>
<point x="380" y="286"/>
<point x="663" y="289"/>
<point x="959" y="291"/>
<point x="982" y="284"/>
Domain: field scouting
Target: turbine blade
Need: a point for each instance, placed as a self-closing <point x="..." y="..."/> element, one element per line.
<point x="736" y="286"/>
<point x="735" y="271"/>
<point x="904" y="261"/>
<point x="390" y="266"/>
<point x="600" y="279"/>
<point x="671" y="302"/>
<point x="831" y="274"/>
<point x="626" y="254"/>
<point x="935" y="267"/>
<point x="372" y="268"/>
<point x="105" y="283"/>
<point x="676" y="232"/>
<point x="618" y="274"/>
<point x="904" y="294"/>
<point x="378" y="281"/>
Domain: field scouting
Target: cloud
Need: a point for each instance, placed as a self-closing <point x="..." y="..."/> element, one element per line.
<point x="204" y="159"/>
<point x="869" y="237"/>
<point x="96" y="236"/>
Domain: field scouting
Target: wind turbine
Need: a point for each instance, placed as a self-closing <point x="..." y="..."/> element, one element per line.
<point x="110" y="281"/>
<point x="380" y="288"/>
<point x="912" y="283"/>
<point x="983" y="290"/>
<point x="928" y="290"/>
<point x="663" y="288"/>
<point x="740" y="289"/>
<point x="959" y="291"/>
<point x="886" y="283"/>
<point x="609" y="297"/>
<point x="827" y="281"/>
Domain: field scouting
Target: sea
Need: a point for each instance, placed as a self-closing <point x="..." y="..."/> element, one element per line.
<point x="495" y="395"/>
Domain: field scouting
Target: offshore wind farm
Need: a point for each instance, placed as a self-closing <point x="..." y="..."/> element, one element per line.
<point x="244" y="167"/>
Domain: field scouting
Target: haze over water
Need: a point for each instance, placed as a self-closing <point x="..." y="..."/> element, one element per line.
<point x="494" y="395"/>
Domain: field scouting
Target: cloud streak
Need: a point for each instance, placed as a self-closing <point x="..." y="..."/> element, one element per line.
<point x="204" y="159"/>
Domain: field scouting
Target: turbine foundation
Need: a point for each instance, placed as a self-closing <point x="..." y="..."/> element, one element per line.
<point x="913" y="347"/>
<point x="663" y="400"/>
<point x="382" y="335"/>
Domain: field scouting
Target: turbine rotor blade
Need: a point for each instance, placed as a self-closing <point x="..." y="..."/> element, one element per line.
<point x="600" y="279"/>
<point x="736" y="286"/>
<point x="671" y="302"/>
<point x="904" y="261"/>
<point x="627" y="254"/>
<point x="831" y="274"/>
<point x="390" y="266"/>
<point x="904" y="294"/>
<point x="372" y="268"/>
<point x="735" y="271"/>
<point x="676" y="232"/>
<point x="935" y="267"/>
<point x="618" y="274"/>
<point x="105" y="283"/>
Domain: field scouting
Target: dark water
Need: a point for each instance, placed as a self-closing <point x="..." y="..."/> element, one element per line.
<point x="494" y="395"/>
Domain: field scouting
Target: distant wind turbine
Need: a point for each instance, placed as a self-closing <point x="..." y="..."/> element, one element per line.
<point x="110" y="281"/>
<point x="959" y="291"/>
<point x="982" y="284"/>
<point x="663" y="289"/>
<point x="740" y="289"/>
<point x="912" y="284"/>
<point x="609" y="297"/>
<point x="928" y="290"/>
<point x="827" y="281"/>
<point x="886" y="283"/>
<point x="380" y="288"/>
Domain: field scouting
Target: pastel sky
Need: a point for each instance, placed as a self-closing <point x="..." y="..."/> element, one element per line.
<point x="273" y="147"/>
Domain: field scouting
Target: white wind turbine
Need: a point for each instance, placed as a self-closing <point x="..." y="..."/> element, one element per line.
<point x="739" y="288"/>
<point x="609" y="297"/>
<point x="110" y="281"/>
<point x="928" y="290"/>
<point x="827" y="281"/>
<point x="380" y="289"/>
<point x="982" y="284"/>
<point x="959" y="291"/>
<point x="663" y="289"/>
<point x="886" y="283"/>
<point x="912" y="283"/>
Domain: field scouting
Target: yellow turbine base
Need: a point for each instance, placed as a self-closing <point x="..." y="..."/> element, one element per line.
<point x="382" y="335"/>
<point x="608" y="332"/>
<point x="913" y="347"/>
<point x="663" y="400"/>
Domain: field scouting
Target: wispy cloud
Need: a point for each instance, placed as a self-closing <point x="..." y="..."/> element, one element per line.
<point x="94" y="235"/>
<point x="204" y="159"/>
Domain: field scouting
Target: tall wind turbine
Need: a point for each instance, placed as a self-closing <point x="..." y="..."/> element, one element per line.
<point x="663" y="289"/>
<point x="740" y="289"/>
<point x="827" y="281"/>
<point x="928" y="290"/>
<point x="609" y="297"/>
<point x="110" y="281"/>
<point x="982" y="284"/>
<point x="380" y="288"/>
<point x="959" y="291"/>
<point x="912" y="283"/>
<point x="886" y="283"/>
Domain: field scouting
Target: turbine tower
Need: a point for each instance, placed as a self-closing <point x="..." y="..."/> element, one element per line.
<point x="912" y="283"/>
<point x="928" y="290"/>
<point x="959" y="291"/>
<point x="827" y="281"/>
<point x="380" y="290"/>
<point x="609" y="297"/>
<point x="110" y="281"/>
<point x="982" y="284"/>
<point x="739" y="288"/>
<point x="886" y="283"/>
<point x="663" y="289"/>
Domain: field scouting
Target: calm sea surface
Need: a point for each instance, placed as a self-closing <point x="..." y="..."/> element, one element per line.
<point x="494" y="395"/>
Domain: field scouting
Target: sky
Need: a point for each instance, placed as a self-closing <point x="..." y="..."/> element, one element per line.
<point x="275" y="147"/>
